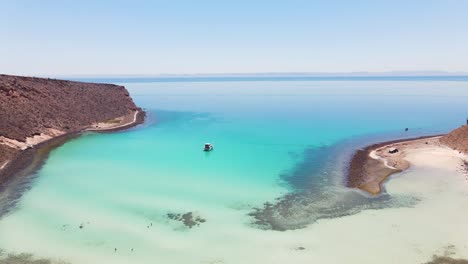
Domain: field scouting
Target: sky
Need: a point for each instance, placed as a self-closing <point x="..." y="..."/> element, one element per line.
<point x="87" y="37"/>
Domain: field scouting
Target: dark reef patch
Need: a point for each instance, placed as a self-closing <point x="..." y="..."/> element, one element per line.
<point x="297" y="210"/>
<point x="319" y="192"/>
<point x="446" y="260"/>
<point x="447" y="257"/>
<point x="25" y="258"/>
<point x="189" y="219"/>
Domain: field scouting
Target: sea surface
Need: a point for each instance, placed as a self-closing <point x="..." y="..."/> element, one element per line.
<point x="272" y="190"/>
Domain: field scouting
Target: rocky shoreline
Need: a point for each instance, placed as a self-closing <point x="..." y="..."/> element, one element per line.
<point x="25" y="158"/>
<point x="15" y="176"/>
<point x="371" y="166"/>
<point x="24" y="146"/>
<point x="362" y="168"/>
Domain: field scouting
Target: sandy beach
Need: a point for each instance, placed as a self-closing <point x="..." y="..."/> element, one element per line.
<point x="120" y="123"/>
<point x="372" y="166"/>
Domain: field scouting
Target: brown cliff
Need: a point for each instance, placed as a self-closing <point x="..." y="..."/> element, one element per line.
<point x="30" y="105"/>
<point x="36" y="110"/>
<point x="457" y="139"/>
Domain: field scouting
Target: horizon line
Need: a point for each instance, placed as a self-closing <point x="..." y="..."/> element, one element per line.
<point x="433" y="73"/>
<point x="272" y="74"/>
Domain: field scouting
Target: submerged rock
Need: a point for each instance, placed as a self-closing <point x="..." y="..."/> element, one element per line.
<point x="189" y="219"/>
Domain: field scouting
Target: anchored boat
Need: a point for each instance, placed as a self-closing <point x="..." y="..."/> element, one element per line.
<point x="208" y="147"/>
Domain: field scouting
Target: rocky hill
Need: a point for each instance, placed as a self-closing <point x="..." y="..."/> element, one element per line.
<point x="34" y="110"/>
<point x="30" y="105"/>
<point x="457" y="139"/>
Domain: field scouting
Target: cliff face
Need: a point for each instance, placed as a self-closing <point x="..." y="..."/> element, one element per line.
<point x="457" y="139"/>
<point x="34" y="110"/>
<point x="29" y="106"/>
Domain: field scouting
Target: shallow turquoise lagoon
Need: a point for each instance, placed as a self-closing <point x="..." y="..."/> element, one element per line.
<point x="271" y="139"/>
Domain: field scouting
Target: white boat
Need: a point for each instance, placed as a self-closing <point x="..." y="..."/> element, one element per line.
<point x="208" y="147"/>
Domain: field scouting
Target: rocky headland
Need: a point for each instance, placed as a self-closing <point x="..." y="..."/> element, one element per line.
<point x="457" y="139"/>
<point x="37" y="114"/>
<point x="371" y="166"/>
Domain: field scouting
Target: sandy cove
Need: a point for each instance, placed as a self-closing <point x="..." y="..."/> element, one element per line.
<point x="35" y="149"/>
<point x="373" y="165"/>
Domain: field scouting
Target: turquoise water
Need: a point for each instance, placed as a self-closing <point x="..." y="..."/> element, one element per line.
<point x="272" y="139"/>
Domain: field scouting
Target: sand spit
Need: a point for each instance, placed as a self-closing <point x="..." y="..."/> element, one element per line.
<point x="371" y="167"/>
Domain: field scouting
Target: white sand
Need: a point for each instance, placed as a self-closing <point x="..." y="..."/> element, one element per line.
<point x="116" y="123"/>
<point x="31" y="141"/>
<point x="51" y="132"/>
<point x="373" y="155"/>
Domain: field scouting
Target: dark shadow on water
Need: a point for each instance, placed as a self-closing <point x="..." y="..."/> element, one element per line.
<point x="24" y="172"/>
<point x="24" y="169"/>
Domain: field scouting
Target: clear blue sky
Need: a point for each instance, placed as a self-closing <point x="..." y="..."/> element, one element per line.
<point x="64" y="37"/>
